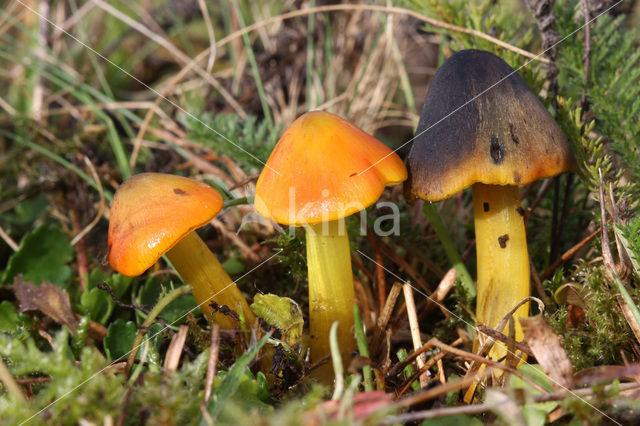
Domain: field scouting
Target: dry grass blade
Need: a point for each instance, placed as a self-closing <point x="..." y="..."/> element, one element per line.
<point x="7" y="239"/>
<point x="10" y="383"/>
<point x="212" y="363"/>
<point x="494" y="334"/>
<point x="177" y="53"/>
<point x="415" y="331"/>
<point x="384" y="9"/>
<point x="174" y="352"/>
<point x="385" y="315"/>
<point x="101" y="206"/>
<point x="422" y="396"/>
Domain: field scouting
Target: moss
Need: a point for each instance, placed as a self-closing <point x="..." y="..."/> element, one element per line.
<point x="599" y="338"/>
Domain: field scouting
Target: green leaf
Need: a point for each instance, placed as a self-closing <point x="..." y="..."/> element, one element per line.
<point x="457" y="420"/>
<point x="13" y="322"/>
<point x="280" y="312"/>
<point x="28" y="211"/>
<point x="536" y="374"/>
<point x="43" y="256"/>
<point x="98" y="304"/>
<point x="119" y="338"/>
<point x="119" y="284"/>
<point x="233" y="265"/>
<point x="534" y="413"/>
<point x="263" y="392"/>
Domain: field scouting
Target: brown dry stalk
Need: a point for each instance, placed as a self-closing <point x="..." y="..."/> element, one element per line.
<point x="415" y="331"/>
<point x="385" y="315"/>
<point x="174" y="352"/>
<point x="212" y="362"/>
<point x="568" y="255"/>
<point x="421" y="396"/>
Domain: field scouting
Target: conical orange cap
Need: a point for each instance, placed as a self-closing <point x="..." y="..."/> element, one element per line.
<point x="324" y="168"/>
<point x="150" y="213"/>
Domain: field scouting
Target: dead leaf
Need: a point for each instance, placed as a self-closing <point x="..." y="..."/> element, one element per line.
<point x="545" y="345"/>
<point x="46" y="298"/>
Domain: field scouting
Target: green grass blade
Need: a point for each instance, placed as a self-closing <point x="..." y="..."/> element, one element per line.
<point x="454" y="257"/>
<point x="254" y="67"/>
<point x="361" y="339"/>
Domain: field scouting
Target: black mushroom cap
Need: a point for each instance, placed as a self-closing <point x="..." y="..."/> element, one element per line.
<point x="482" y="123"/>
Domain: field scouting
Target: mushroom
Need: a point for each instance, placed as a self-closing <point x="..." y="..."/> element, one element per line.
<point x="153" y="214"/>
<point x="322" y="170"/>
<point x="481" y="125"/>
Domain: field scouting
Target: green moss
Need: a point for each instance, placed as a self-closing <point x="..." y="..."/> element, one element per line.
<point x="599" y="338"/>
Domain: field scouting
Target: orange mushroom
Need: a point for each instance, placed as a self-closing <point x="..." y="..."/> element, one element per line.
<point x="322" y="170"/>
<point x="153" y="214"/>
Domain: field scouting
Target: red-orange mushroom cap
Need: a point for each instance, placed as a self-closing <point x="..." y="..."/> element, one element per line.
<point x="324" y="168"/>
<point x="150" y="213"/>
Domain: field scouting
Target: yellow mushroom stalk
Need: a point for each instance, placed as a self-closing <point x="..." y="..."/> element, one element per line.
<point x="328" y="263"/>
<point x="503" y="258"/>
<point x="201" y="269"/>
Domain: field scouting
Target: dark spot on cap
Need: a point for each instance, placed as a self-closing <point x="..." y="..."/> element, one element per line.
<point x="485" y="207"/>
<point x="520" y="211"/>
<point x="502" y="240"/>
<point x="516" y="176"/>
<point x="496" y="149"/>
<point x="353" y="174"/>
<point x="179" y="191"/>
<point x="512" y="132"/>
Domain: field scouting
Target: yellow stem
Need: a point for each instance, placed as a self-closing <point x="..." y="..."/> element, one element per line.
<point x="503" y="259"/>
<point x="331" y="294"/>
<point x="200" y="268"/>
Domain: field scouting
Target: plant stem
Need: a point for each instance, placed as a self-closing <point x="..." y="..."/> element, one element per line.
<point x="361" y="339"/>
<point x="456" y="261"/>
<point x="331" y="294"/>
<point x="336" y="358"/>
<point x="503" y="258"/>
<point x="200" y="268"/>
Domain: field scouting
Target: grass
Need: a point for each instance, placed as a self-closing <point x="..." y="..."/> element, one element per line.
<point x="205" y="92"/>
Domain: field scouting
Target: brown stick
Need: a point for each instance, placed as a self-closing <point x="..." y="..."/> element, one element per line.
<point x="415" y="330"/>
<point x="383" y="319"/>
<point x="422" y="396"/>
<point x="568" y="255"/>
<point x="212" y="362"/>
<point x="501" y="337"/>
<point x="537" y="283"/>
